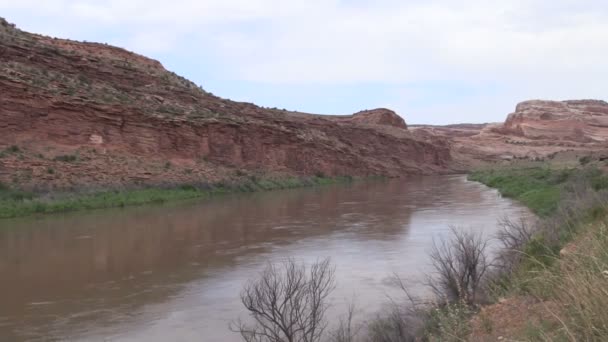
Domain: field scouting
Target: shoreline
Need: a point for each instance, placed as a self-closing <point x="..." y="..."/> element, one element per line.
<point x="16" y="203"/>
<point x="565" y="251"/>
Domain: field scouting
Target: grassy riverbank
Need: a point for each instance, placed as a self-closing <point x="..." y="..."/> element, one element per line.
<point x="537" y="188"/>
<point x="553" y="276"/>
<point x="14" y="203"/>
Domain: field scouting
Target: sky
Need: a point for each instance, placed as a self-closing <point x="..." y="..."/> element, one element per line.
<point x="433" y="61"/>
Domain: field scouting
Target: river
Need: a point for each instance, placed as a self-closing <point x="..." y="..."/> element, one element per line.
<point x="173" y="272"/>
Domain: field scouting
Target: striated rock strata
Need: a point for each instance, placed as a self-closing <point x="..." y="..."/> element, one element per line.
<point x="580" y="120"/>
<point x="380" y="116"/>
<point x="121" y="118"/>
<point x="546" y="131"/>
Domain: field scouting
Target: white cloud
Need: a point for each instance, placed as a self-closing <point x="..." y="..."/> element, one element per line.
<point x="334" y="41"/>
<point x="547" y="48"/>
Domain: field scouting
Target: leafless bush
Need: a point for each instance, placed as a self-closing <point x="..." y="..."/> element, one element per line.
<point x="396" y="324"/>
<point x="513" y="237"/>
<point x="402" y="319"/>
<point x="347" y="330"/>
<point x="579" y="202"/>
<point x="287" y="302"/>
<point x="460" y="264"/>
<point x="420" y="319"/>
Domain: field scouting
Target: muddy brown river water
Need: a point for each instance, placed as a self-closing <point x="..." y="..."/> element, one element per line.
<point x="174" y="272"/>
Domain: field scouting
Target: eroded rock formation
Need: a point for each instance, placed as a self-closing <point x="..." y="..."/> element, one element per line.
<point x="380" y="116"/>
<point x="538" y="130"/>
<point x="121" y="118"/>
<point x="580" y="120"/>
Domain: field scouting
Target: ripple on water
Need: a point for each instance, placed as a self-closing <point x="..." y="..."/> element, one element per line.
<point x="171" y="272"/>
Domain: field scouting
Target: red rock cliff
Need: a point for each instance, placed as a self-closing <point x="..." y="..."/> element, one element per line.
<point x="126" y="117"/>
<point x="580" y="120"/>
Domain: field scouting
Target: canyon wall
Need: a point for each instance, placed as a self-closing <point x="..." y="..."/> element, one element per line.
<point x="578" y="120"/>
<point x="109" y="107"/>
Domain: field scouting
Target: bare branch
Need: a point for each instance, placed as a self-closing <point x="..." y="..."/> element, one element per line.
<point x="287" y="302"/>
<point x="460" y="266"/>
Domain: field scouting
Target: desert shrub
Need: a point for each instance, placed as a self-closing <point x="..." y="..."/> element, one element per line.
<point x="67" y="158"/>
<point x="420" y="319"/>
<point x="396" y="323"/>
<point x="347" y="330"/>
<point x="12" y="195"/>
<point x="460" y="265"/>
<point x="287" y="302"/>
<point x="187" y="187"/>
<point x="13" y="149"/>
<point x="584" y="160"/>
<point x="513" y="236"/>
<point x="599" y="182"/>
<point x="449" y="323"/>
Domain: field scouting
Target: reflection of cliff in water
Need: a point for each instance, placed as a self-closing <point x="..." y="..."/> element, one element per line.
<point x="108" y="263"/>
<point x="77" y="255"/>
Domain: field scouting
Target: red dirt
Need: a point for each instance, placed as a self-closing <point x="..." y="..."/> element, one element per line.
<point x="510" y="318"/>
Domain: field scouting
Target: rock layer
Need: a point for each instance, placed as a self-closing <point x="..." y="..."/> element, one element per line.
<point x="545" y="131"/>
<point x="109" y="105"/>
<point x="380" y="116"/>
<point x="579" y="121"/>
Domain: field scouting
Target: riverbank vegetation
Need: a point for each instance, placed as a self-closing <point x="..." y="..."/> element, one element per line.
<point x="559" y="263"/>
<point x="14" y="202"/>
<point x="548" y="280"/>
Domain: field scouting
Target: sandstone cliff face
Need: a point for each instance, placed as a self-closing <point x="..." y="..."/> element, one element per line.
<point x="129" y="120"/>
<point x="547" y="131"/>
<point x="580" y="121"/>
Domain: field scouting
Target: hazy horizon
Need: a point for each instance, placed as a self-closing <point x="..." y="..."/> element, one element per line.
<point x="433" y="62"/>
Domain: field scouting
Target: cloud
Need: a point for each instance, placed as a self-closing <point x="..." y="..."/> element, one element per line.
<point x="532" y="48"/>
<point x="334" y="41"/>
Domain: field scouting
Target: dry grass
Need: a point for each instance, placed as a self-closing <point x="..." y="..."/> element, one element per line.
<point x="562" y="263"/>
<point x="581" y="287"/>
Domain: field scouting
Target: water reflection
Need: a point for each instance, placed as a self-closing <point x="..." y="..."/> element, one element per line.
<point x="174" y="272"/>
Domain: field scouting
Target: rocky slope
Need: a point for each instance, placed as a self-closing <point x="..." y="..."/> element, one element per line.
<point x="451" y="131"/>
<point x="579" y="121"/>
<point x="561" y="132"/>
<point x="380" y="116"/>
<point x="86" y="114"/>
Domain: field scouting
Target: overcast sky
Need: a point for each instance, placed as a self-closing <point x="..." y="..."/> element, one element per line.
<point x="433" y="61"/>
